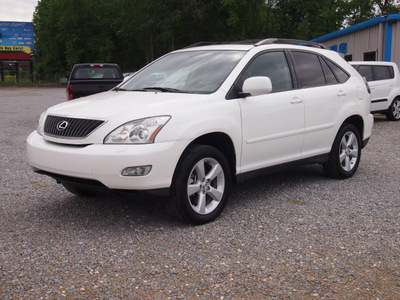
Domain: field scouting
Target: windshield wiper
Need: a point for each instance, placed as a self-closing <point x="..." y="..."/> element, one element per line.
<point x="163" y="89"/>
<point x="155" y="88"/>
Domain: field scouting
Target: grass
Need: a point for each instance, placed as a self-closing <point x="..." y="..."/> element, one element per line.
<point x="11" y="81"/>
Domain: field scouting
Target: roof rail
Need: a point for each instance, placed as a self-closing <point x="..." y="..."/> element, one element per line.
<point x="246" y="42"/>
<point x="291" y="42"/>
<point x="263" y="42"/>
<point x="205" y="44"/>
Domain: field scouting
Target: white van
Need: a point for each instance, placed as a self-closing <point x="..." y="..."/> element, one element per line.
<point x="383" y="79"/>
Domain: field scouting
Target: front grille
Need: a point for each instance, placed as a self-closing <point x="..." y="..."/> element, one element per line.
<point x="64" y="127"/>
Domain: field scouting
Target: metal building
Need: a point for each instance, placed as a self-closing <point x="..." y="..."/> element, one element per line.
<point x="377" y="39"/>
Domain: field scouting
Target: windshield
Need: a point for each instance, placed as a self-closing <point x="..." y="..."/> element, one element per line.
<point x="187" y="72"/>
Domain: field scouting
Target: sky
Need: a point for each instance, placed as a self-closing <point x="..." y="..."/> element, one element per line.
<point x="17" y="10"/>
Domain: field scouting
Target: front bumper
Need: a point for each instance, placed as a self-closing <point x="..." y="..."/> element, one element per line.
<point x="104" y="163"/>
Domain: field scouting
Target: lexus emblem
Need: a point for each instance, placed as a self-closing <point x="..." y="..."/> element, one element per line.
<point x="62" y="125"/>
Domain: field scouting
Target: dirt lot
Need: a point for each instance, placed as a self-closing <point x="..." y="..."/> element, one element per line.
<point x="291" y="235"/>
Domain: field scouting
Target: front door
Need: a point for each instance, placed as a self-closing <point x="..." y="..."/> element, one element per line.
<point x="272" y="124"/>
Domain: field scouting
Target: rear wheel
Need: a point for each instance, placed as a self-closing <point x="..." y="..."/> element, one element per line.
<point x="393" y="113"/>
<point x="200" y="186"/>
<point x="345" y="155"/>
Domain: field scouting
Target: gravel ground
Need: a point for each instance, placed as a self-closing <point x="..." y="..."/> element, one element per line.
<point x="291" y="235"/>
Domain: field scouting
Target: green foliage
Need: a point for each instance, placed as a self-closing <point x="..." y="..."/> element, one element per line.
<point x="307" y="19"/>
<point x="387" y="6"/>
<point x="135" y="32"/>
<point x="359" y="11"/>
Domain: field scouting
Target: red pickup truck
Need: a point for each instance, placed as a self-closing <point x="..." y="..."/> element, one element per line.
<point x="92" y="78"/>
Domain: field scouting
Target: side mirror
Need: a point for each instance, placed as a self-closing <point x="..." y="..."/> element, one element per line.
<point x="256" y="86"/>
<point x="64" y="80"/>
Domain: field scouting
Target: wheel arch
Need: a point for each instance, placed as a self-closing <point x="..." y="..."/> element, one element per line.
<point x="358" y="122"/>
<point x="220" y="141"/>
<point x="395" y="94"/>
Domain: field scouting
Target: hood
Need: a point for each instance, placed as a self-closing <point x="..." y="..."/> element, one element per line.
<point x="124" y="104"/>
<point x="117" y="108"/>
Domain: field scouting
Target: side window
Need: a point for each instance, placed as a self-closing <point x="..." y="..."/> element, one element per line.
<point x="366" y="72"/>
<point x="308" y="69"/>
<point x="383" y="72"/>
<point x="329" y="76"/>
<point x="341" y="75"/>
<point x="273" y="65"/>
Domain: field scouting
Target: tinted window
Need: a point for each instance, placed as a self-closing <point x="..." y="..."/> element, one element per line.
<point x="365" y="71"/>
<point x="308" y="69"/>
<point x="329" y="76"/>
<point x="341" y="75"/>
<point x="273" y="65"/>
<point x="383" y="72"/>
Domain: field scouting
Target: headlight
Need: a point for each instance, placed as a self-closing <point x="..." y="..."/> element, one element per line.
<point x="141" y="131"/>
<point x="40" y="128"/>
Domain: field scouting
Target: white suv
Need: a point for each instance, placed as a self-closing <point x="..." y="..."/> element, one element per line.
<point x="197" y="119"/>
<point x="384" y="81"/>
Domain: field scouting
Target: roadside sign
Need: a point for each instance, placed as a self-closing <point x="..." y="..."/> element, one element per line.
<point x="16" y="37"/>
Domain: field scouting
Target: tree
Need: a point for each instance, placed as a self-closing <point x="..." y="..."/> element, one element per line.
<point x="135" y="32"/>
<point x="387" y="6"/>
<point x="306" y="19"/>
<point x="358" y="11"/>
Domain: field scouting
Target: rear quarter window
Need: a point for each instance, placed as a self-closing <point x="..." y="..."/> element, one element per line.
<point x="330" y="77"/>
<point x="341" y="75"/>
<point x="383" y="72"/>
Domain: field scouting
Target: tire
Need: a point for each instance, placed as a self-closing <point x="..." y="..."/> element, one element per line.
<point x="345" y="155"/>
<point x="393" y="113"/>
<point x="201" y="185"/>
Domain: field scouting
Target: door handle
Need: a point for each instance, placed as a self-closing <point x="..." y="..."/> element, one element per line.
<point x="296" y="100"/>
<point x="341" y="93"/>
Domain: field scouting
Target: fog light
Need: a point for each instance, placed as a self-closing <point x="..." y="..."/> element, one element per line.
<point x="136" y="171"/>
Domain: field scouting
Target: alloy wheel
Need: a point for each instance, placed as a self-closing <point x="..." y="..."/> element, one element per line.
<point x="206" y="186"/>
<point x="348" y="152"/>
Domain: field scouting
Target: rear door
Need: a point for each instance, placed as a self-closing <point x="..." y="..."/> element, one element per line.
<point x="382" y="85"/>
<point x="325" y="94"/>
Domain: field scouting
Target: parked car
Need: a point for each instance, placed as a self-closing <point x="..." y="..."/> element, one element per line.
<point x="384" y="81"/>
<point x="89" y="79"/>
<point x="198" y="119"/>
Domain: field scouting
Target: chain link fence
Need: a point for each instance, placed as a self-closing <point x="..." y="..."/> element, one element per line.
<point x="12" y="74"/>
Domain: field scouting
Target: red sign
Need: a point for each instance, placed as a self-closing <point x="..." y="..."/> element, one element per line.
<point x="14" y="56"/>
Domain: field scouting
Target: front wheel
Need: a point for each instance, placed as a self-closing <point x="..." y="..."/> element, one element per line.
<point x="393" y="113"/>
<point x="345" y="155"/>
<point x="200" y="186"/>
